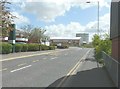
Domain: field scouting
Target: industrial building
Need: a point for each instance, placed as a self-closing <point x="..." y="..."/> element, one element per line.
<point x="70" y="41"/>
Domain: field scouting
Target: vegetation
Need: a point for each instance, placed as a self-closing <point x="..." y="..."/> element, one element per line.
<point x="5" y="48"/>
<point x="33" y="47"/>
<point x="44" y="47"/>
<point x="18" y="47"/>
<point x="87" y="45"/>
<point x="34" y="34"/>
<point x="24" y="48"/>
<point x="7" y="18"/>
<point x="101" y="44"/>
<point x="51" y="47"/>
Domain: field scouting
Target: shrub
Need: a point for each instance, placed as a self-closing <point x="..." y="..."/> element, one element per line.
<point x="51" y="47"/>
<point x="24" y="47"/>
<point x="101" y="45"/>
<point x="5" y="48"/>
<point x="33" y="47"/>
<point x="44" y="47"/>
<point x="18" y="47"/>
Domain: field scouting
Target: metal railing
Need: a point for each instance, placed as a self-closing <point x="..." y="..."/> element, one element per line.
<point x="111" y="66"/>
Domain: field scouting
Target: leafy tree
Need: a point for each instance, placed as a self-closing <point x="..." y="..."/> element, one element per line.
<point x="100" y="45"/>
<point x="6" y="17"/>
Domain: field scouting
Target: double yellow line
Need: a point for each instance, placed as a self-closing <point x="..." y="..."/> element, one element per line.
<point x="73" y="70"/>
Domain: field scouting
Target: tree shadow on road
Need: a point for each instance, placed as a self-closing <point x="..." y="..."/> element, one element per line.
<point x="96" y="77"/>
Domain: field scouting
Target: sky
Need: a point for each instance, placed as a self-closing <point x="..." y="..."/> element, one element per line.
<point x="63" y="18"/>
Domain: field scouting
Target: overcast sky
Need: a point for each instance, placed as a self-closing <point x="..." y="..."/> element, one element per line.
<point x="63" y="18"/>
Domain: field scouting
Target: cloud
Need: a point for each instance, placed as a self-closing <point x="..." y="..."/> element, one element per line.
<point x="104" y="24"/>
<point x="63" y="30"/>
<point x="72" y="28"/>
<point x="49" y="10"/>
<point x="20" y="18"/>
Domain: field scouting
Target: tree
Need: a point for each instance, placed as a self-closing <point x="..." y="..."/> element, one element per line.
<point x="27" y="29"/>
<point x="37" y="35"/>
<point x="100" y="45"/>
<point x="6" y="18"/>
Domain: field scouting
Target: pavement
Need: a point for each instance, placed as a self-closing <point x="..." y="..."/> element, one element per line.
<point x="73" y="67"/>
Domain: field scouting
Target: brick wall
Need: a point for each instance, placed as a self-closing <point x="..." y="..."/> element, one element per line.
<point x="115" y="48"/>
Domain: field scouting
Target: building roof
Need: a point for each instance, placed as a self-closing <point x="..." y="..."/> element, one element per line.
<point x="67" y="38"/>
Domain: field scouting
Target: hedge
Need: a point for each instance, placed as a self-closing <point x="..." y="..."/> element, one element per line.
<point x="18" y="47"/>
<point x="51" y="47"/>
<point x="24" y="47"/>
<point x="5" y="48"/>
<point x="44" y="47"/>
<point x="33" y="47"/>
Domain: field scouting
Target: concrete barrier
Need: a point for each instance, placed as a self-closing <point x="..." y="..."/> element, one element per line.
<point x="111" y="66"/>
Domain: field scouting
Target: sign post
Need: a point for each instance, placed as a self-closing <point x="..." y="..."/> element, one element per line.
<point x="12" y="37"/>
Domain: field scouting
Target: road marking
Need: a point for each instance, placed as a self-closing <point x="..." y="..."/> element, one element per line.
<point x="24" y="56"/>
<point x="7" y="59"/>
<point x="22" y="64"/>
<point x="35" y="60"/>
<point x="3" y="69"/>
<point x="21" y="68"/>
<point x="54" y="58"/>
<point x="45" y="58"/>
<point x="73" y="70"/>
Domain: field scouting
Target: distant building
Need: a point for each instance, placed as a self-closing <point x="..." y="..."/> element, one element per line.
<point x="19" y="38"/>
<point x="71" y="41"/>
<point x="85" y="37"/>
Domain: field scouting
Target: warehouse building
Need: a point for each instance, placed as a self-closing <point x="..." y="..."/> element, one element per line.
<point x="70" y="41"/>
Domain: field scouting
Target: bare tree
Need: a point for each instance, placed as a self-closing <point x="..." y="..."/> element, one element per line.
<point x="37" y="35"/>
<point x="27" y="29"/>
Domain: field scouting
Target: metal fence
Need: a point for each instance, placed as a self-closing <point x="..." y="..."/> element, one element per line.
<point x="111" y="66"/>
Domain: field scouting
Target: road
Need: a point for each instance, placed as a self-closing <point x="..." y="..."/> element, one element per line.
<point x="41" y="70"/>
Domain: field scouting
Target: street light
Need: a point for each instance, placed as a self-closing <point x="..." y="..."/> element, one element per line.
<point x="97" y="16"/>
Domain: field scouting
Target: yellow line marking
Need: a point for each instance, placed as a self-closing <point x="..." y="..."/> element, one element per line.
<point x="7" y="59"/>
<point x="44" y="58"/>
<point x="73" y="70"/>
<point x="35" y="60"/>
<point x="22" y="64"/>
<point x="24" y="56"/>
<point x="3" y="69"/>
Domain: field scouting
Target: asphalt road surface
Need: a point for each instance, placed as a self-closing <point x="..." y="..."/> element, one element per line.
<point x="41" y="70"/>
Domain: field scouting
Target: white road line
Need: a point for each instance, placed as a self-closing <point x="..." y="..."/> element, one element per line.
<point x="54" y="58"/>
<point x="21" y="68"/>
